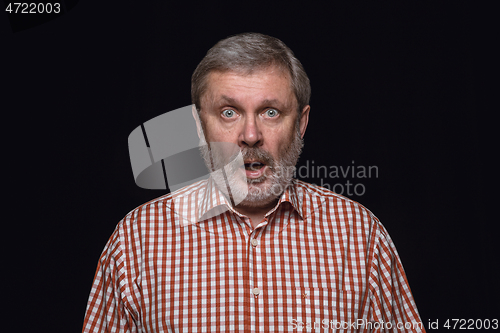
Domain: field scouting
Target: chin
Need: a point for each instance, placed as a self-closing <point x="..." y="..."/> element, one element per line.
<point x="257" y="202"/>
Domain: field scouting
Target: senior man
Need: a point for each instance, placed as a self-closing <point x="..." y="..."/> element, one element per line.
<point x="290" y="256"/>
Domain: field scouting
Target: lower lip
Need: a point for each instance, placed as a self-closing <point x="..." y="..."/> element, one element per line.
<point x="255" y="173"/>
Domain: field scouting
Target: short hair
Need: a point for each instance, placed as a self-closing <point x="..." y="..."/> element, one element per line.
<point x="245" y="53"/>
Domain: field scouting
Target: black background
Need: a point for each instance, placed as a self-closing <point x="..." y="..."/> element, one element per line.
<point x="395" y="86"/>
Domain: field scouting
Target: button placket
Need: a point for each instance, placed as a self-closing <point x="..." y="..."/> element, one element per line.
<point x="256" y="264"/>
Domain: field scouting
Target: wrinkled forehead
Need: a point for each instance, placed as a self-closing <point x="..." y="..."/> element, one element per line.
<point x="218" y="91"/>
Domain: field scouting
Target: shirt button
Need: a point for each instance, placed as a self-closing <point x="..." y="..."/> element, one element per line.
<point x="256" y="291"/>
<point x="255" y="242"/>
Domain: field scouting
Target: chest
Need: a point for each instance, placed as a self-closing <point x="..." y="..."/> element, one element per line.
<point x="280" y="281"/>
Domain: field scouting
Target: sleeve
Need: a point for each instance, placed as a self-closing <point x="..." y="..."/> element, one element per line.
<point x="392" y="302"/>
<point x="108" y="307"/>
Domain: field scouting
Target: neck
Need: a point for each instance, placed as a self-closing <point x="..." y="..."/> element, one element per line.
<point x="255" y="213"/>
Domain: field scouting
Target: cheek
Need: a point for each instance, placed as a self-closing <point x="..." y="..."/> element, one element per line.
<point x="215" y="132"/>
<point x="280" y="142"/>
<point x="210" y="127"/>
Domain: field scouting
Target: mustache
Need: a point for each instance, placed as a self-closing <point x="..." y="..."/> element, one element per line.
<point x="254" y="153"/>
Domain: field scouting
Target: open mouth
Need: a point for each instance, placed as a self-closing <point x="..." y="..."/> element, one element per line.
<point x="254" y="166"/>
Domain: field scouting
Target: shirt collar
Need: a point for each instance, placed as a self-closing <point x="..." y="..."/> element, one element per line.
<point x="294" y="195"/>
<point x="212" y="202"/>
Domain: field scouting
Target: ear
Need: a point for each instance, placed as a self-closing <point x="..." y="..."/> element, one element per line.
<point x="199" y="128"/>
<point x="304" y="120"/>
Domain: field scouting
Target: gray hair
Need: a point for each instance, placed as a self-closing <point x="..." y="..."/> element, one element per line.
<point x="248" y="52"/>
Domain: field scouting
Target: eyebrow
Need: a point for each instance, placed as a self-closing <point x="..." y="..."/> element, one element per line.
<point x="227" y="99"/>
<point x="233" y="101"/>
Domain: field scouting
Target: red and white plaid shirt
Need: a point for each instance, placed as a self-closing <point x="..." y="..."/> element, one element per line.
<point x="317" y="262"/>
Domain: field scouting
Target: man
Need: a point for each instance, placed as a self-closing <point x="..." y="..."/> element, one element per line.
<point x="289" y="256"/>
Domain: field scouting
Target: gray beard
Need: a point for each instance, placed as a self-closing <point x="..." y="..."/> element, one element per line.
<point x="264" y="190"/>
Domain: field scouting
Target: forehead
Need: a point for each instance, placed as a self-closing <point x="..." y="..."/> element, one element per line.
<point x="267" y="84"/>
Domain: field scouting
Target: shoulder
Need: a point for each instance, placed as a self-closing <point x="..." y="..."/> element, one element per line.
<point x="337" y="207"/>
<point x="160" y="212"/>
<point x="327" y="197"/>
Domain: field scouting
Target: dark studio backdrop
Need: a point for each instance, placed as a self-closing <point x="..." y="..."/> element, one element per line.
<point x="393" y="86"/>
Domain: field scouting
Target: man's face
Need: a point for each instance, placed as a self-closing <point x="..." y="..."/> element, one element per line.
<point x="257" y="112"/>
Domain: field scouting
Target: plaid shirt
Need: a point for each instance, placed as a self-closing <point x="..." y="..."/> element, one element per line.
<point x="317" y="262"/>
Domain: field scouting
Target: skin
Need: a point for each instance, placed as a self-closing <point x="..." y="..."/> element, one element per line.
<point x="250" y="123"/>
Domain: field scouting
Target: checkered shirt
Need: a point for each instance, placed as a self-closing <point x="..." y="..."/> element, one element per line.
<point x="317" y="262"/>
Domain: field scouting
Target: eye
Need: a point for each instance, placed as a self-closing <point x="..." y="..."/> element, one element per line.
<point x="228" y="113"/>
<point x="272" y="113"/>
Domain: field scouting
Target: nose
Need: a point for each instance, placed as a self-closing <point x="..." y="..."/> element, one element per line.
<point x="250" y="135"/>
